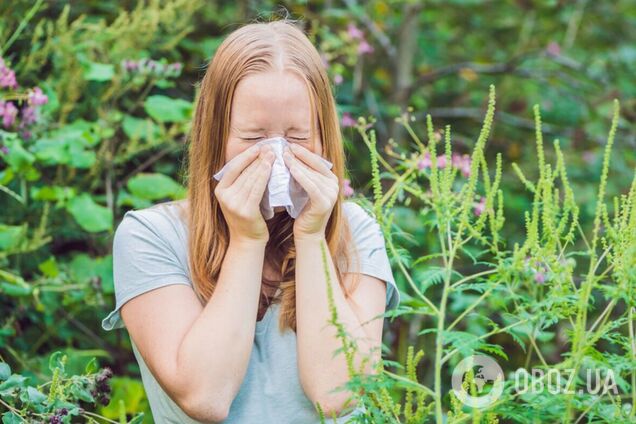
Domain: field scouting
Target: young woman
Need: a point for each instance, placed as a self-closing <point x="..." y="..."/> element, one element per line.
<point x="201" y="283"/>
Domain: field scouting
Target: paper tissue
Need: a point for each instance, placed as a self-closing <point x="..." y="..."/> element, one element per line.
<point x="282" y="189"/>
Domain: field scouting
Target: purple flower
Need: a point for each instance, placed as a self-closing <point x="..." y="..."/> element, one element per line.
<point x="456" y="160"/>
<point x="364" y="47"/>
<point x="425" y="162"/>
<point x="8" y="112"/>
<point x="29" y="116"/>
<point x="174" y="69"/>
<point x="338" y="79"/>
<point x="553" y="48"/>
<point x="4" y="150"/>
<point x="480" y="207"/>
<point x="347" y="120"/>
<point x="441" y="161"/>
<point x="461" y="162"/>
<point x="37" y="98"/>
<point x="7" y="76"/>
<point x="539" y="277"/>
<point x="129" y="65"/>
<point x="347" y="190"/>
<point x="25" y="134"/>
<point x="354" y="32"/>
<point x="465" y="166"/>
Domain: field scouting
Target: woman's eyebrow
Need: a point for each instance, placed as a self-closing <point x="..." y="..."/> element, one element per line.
<point x="254" y="129"/>
<point x="293" y="128"/>
<point x="248" y="129"/>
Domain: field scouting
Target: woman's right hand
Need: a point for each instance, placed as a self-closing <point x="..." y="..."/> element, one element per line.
<point x="240" y="191"/>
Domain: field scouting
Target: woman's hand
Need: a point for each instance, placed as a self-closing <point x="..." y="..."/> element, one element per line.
<point x="320" y="184"/>
<point x="240" y="191"/>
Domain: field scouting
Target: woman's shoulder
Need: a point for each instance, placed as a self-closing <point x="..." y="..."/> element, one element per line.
<point x="361" y="219"/>
<point x="165" y="219"/>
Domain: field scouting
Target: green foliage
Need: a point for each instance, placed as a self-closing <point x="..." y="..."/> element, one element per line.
<point x="536" y="271"/>
<point x="527" y="291"/>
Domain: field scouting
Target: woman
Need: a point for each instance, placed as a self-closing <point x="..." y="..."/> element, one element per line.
<point x="200" y="283"/>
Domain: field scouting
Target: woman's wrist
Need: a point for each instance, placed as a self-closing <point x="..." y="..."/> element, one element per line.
<point x="247" y="243"/>
<point x="303" y="238"/>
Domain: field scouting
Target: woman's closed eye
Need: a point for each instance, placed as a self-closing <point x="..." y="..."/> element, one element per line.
<point x="299" y="139"/>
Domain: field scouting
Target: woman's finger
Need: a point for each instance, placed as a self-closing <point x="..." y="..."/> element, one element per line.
<point x="259" y="181"/>
<point x="238" y="164"/>
<point x="245" y="179"/>
<point x="311" y="159"/>
<point x="304" y="175"/>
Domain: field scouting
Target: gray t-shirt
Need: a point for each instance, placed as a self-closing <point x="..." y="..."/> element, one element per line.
<point x="150" y="251"/>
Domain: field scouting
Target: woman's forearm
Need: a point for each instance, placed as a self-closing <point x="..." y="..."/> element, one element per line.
<point x="214" y="353"/>
<point x="321" y="372"/>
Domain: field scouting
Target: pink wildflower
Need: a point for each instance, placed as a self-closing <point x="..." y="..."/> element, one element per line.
<point x="553" y="48"/>
<point x="364" y="47"/>
<point x="37" y="98"/>
<point x="29" y="116"/>
<point x="338" y="79"/>
<point x="425" y="162"/>
<point x="441" y="161"/>
<point x="347" y="189"/>
<point x="347" y="120"/>
<point x="7" y="76"/>
<point x="480" y="207"/>
<point x="8" y="112"/>
<point x="354" y="32"/>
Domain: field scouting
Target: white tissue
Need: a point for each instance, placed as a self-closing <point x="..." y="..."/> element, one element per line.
<point x="282" y="189"/>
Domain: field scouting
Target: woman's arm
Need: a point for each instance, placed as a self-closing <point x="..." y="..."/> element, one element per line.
<point x="319" y="371"/>
<point x="198" y="354"/>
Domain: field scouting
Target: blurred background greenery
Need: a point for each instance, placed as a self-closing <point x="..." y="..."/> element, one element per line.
<point x="119" y="78"/>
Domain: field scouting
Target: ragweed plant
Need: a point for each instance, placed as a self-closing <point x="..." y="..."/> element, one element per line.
<point x="471" y="293"/>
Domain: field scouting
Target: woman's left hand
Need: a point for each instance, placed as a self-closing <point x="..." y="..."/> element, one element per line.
<point x="321" y="185"/>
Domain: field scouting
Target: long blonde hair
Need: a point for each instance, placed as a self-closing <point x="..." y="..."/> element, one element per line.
<point x="256" y="47"/>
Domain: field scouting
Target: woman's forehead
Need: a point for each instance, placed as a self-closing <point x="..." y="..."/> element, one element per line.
<point x="263" y="98"/>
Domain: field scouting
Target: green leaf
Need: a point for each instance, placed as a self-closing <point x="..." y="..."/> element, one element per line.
<point x="13" y="382"/>
<point x="5" y="371"/>
<point x="18" y="158"/>
<point x="131" y="391"/>
<point x="140" y="128"/>
<point x="11" y="236"/>
<point x="15" y="290"/>
<point x="154" y="186"/>
<point x="51" y="193"/>
<point x="69" y="145"/>
<point x="32" y="395"/>
<point x="11" y="418"/>
<point x="80" y="392"/>
<point x="166" y="109"/>
<point x="57" y="360"/>
<point x="82" y="268"/>
<point x="138" y="419"/>
<point x="49" y="267"/>
<point x="89" y="215"/>
<point x="99" y="71"/>
<point x="91" y="367"/>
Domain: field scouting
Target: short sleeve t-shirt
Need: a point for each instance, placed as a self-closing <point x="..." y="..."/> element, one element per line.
<point x="150" y="251"/>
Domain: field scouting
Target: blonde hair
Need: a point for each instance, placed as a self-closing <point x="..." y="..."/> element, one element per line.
<point x="252" y="48"/>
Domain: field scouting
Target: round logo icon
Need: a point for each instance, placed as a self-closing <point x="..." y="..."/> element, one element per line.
<point x="486" y="371"/>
